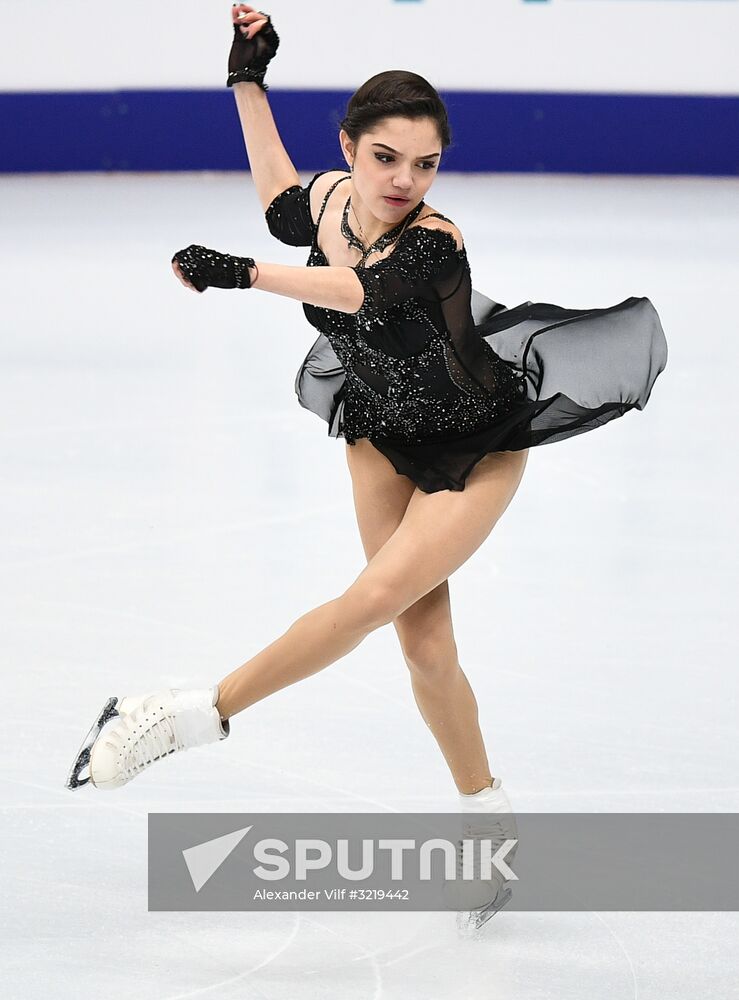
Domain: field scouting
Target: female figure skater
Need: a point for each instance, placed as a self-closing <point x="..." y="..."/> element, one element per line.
<point x="437" y="410"/>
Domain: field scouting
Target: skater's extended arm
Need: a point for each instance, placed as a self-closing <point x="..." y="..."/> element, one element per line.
<point x="336" y="288"/>
<point x="329" y="287"/>
<point x="428" y="264"/>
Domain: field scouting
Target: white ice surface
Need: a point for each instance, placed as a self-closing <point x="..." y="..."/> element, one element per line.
<point x="168" y="509"/>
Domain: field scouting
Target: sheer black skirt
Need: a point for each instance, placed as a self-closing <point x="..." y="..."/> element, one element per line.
<point x="582" y="368"/>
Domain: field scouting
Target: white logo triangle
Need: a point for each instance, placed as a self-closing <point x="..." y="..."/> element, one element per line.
<point x="203" y="860"/>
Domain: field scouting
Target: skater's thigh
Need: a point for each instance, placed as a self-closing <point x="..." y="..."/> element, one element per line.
<point x="381" y="497"/>
<point x="440" y="531"/>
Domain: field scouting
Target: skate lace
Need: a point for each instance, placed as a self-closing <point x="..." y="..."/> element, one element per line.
<point x="158" y="738"/>
<point x="486" y="826"/>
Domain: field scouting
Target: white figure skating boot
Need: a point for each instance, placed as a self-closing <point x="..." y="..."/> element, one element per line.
<point x="487" y="816"/>
<point x="144" y="729"/>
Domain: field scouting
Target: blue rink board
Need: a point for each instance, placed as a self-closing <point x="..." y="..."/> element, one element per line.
<point x="151" y="130"/>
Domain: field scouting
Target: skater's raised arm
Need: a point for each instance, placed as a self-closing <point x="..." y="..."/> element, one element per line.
<point x="254" y="44"/>
<point x="271" y="167"/>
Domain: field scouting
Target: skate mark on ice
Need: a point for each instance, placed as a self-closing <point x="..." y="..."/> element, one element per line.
<point x="116" y="807"/>
<point x="379" y="984"/>
<point x="623" y="950"/>
<point x="202" y="990"/>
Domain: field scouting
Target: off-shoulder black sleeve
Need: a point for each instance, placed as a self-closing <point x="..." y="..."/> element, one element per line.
<point x="425" y="264"/>
<point x="289" y="216"/>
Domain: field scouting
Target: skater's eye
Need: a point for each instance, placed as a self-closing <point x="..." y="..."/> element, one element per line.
<point x="384" y="157"/>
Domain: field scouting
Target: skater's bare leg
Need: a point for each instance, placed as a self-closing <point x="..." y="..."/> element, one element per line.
<point x="440" y="687"/>
<point x="437" y="534"/>
<point x="315" y="640"/>
<point x="332" y="630"/>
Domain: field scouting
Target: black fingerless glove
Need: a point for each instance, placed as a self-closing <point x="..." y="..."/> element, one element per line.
<point x="248" y="58"/>
<point x="206" y="268"/>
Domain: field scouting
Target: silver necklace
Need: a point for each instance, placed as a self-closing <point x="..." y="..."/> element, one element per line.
<point x="361" y="230"/>
<point x="383" y="241"/>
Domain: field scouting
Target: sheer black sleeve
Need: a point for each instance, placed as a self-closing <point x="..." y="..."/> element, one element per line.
<point x="289" y="216"/>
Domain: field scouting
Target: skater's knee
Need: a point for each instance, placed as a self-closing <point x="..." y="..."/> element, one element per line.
<point x="430" y="653"/>
<point x="372" y="602"/>
<point x="427" y="637"/>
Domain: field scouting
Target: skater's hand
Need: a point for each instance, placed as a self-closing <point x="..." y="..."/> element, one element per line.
<point x="182" y="278"/>
<point x="200" y="268"/>
<point x="254" y="44"/>
<point x="249" y="20"/>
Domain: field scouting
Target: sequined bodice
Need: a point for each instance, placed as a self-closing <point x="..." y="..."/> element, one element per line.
<point x="404" y="393"/>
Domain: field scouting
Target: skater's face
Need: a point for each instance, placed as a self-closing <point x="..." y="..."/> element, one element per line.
<point x="399" y="159"/>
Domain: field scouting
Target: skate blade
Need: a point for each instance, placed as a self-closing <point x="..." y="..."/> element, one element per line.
<point x="82" y="759"/>
<point x="470" y="921"/>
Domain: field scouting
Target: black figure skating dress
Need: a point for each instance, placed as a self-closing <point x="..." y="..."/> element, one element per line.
<point x="437" y="375"/>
